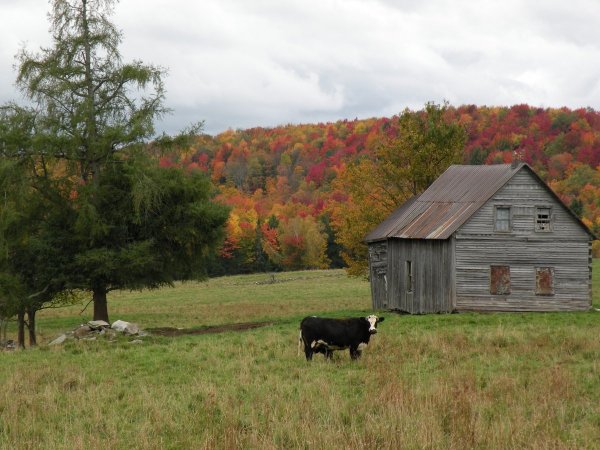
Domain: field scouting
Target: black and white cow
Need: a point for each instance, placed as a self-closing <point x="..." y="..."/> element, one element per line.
<point x="323" y="335"/>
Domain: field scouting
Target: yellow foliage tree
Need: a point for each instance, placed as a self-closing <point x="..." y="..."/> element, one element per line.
<point x="405" y="164"/>
<point x="303" y="244"/>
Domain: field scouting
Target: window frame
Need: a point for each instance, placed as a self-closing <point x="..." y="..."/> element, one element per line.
<point x="498" y="207"/>
<point x="536" y="219"/>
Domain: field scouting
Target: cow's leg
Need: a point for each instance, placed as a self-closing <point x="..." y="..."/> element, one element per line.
<point x="308" y="351"/>
<point x="328" y="354"/>
<point x="355" y="352"/>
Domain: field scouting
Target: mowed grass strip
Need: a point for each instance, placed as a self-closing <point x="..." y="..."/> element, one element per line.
<point x="438" y="381"/>
<point x="240" y="298"/>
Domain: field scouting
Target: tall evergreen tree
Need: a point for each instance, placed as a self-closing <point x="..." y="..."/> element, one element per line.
<point x="119" y="221"/>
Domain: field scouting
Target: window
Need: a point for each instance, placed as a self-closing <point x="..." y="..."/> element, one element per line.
<point x="543" y="219"/>
<point x="499" y="280"/>
<point x="502" y="218"/>
<point x="409" y="276"/>
<point x="544" y="281"/>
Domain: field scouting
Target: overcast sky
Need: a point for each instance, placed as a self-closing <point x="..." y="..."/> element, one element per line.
<point x="244" y="63"/>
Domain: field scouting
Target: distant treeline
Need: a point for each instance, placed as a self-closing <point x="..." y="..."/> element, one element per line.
<point x="280" y="181"/>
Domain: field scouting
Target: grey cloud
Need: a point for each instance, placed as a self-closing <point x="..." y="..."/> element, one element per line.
<point x="238" y="63"/>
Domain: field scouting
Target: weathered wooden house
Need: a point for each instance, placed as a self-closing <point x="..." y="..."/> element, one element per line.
<point x="482" y="238"/>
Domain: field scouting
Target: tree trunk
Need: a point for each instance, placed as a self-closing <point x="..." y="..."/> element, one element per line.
<point x="21" y="329"/>
<point x="31" y="326"/>
<point x="3" y="327"/>
<point x="100" y="305"/>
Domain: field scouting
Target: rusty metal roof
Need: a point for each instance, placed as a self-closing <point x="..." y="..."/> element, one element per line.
<point x="449" y="202"/>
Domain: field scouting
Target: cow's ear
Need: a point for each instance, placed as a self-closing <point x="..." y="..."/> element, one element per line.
<point x="380" y="319"/>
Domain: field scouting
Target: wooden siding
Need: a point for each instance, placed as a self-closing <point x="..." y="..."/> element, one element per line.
<point x="523" y="194"/>
<point x="565" y="249"/>
<point x="432" y="264"/>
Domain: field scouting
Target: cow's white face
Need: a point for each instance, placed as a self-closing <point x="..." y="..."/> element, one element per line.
<point x="373" y="320"/>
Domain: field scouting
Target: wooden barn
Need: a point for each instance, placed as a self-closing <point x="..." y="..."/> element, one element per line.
<point x="482" y="238"/>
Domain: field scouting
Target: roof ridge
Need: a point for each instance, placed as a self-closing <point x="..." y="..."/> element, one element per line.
<point x="451" y="200"/>
<point x="420" y="219"/>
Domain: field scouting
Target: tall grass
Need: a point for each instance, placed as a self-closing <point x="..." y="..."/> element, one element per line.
<point x="439" y="381"/>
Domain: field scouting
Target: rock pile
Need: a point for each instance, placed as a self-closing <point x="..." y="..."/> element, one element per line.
<point x="8" y="345"/>
<point x="94" y="328"/>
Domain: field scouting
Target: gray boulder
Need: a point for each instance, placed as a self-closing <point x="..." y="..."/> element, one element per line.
<point x="125" y="327"/>
<point x="59" y="340"/>
<point x="82" y="331"/>
<point x="98" y="324"/>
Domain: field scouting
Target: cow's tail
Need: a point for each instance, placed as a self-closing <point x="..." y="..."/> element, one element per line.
<point x="300" y="343"/>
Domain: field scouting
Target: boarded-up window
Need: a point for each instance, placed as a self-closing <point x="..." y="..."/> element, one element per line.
<point x="544" y="280"/>
<point x="502" y="218"/>
<point x="543" y="219"/>
<point x="409" y="276"/>
<point x="500" y="280"/>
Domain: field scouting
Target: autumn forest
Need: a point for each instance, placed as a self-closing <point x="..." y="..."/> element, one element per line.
<point x="282" y="184"/>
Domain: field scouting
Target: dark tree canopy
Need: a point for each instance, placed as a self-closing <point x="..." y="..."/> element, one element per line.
<point x="144" y="226"/>
<point x="28" y="277"/>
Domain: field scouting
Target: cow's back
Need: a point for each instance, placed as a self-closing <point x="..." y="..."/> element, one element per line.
<point x="340" y="332"/>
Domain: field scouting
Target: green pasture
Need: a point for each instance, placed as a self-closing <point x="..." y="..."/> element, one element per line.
<point x="451" y="381"/>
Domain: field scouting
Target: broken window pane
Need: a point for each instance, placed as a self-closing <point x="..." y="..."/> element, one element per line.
<point x="542" y="219"/>
<point x="500" y="280"/>
<point x="544" y="281"/>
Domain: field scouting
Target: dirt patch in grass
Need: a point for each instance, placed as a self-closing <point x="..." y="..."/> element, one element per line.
<point x="172" y="332"/>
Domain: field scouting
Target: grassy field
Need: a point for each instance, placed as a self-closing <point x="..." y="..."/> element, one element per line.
<point x="438" y="381"/>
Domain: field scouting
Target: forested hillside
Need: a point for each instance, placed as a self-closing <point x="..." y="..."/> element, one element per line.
<point x="280" y="181"/>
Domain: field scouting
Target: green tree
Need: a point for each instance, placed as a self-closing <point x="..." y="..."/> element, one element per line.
<point x="10" y="286"/>
<point x="28" y="281"/>
<point x="334" y="249"/>
<point x="404" y="164"/>
<point x="119" y="221"/>
<point x="141" y="226"/>
<point x="576" y="206"/>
